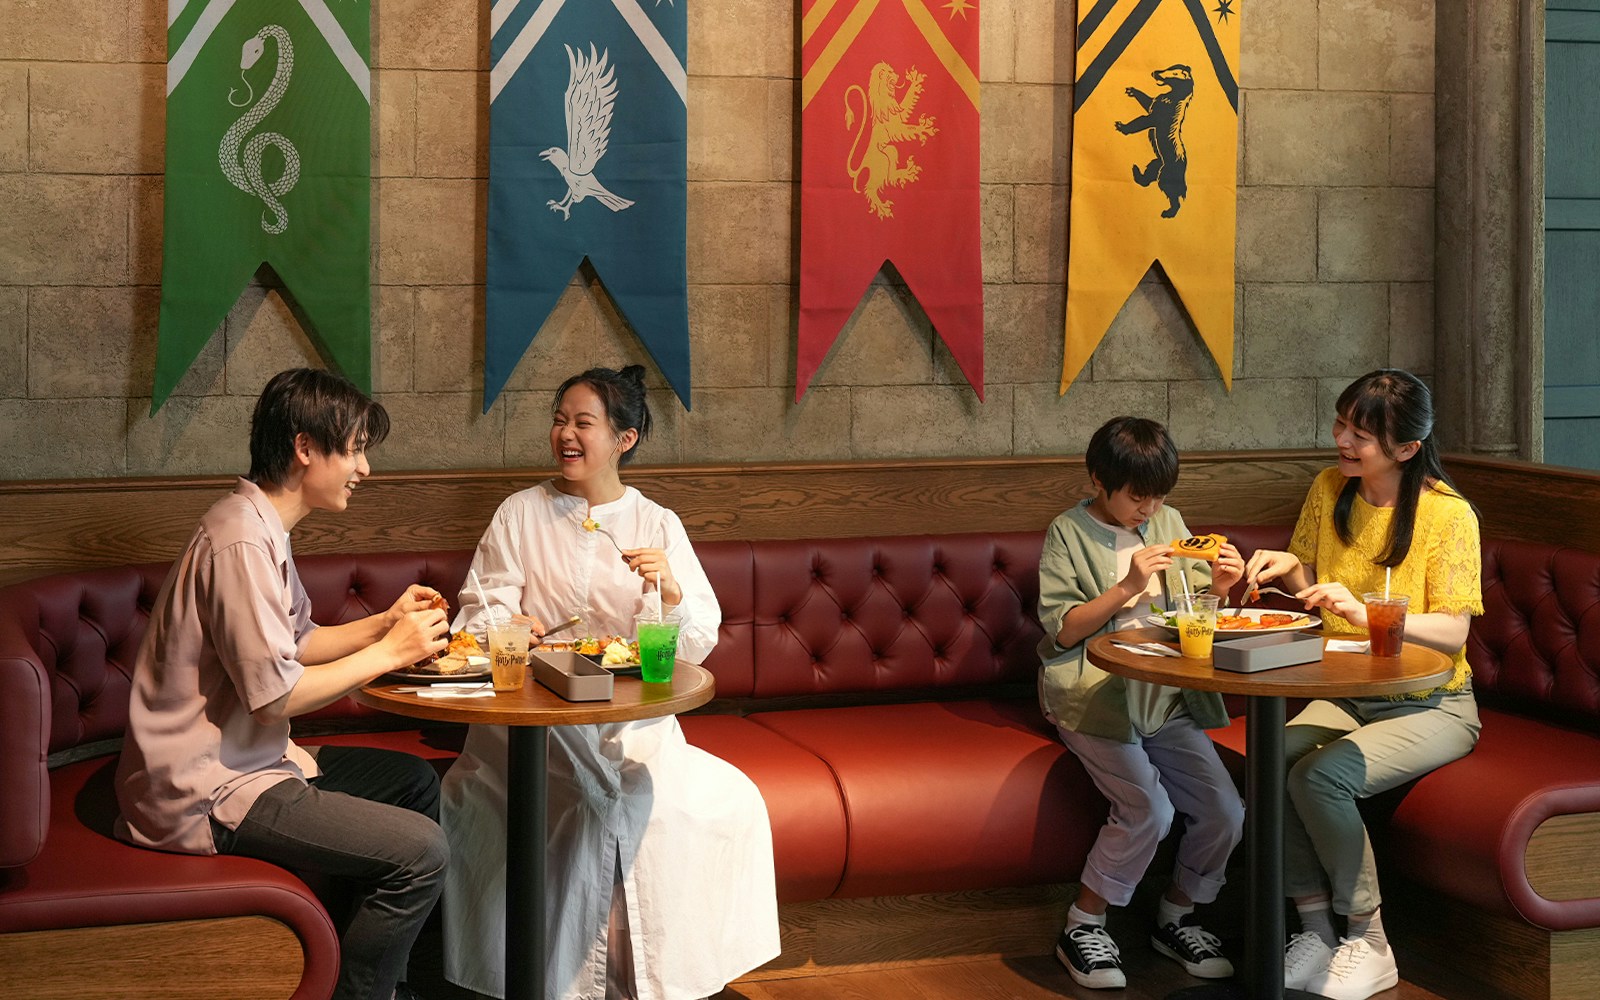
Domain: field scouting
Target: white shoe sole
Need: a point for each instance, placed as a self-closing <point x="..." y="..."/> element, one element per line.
<point x="1321" y="986"/>
<point x="1211" y="968"/>
<point x="1099" y="979"/>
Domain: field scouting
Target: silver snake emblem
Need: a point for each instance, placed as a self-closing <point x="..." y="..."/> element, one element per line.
<point x="246" y="175"/>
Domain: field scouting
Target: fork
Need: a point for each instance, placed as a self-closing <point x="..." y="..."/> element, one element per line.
<point x="609" y="536"/>
<point x="1253" y="593"/>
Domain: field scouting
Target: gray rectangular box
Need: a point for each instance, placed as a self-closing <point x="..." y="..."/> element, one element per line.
<point x="573" y="677"/>
<point x="1266" y="652"/>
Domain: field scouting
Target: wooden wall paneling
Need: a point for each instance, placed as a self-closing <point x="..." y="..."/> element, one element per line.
<point x="50" y="527"/>
<point x="1538" y="503"/>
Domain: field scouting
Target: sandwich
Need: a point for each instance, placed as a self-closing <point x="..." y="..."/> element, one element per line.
<point x="1202" y="547"/>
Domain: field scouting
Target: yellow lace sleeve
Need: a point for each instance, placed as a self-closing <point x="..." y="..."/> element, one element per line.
<point x="1455" y="563"/>
<point x="1319" y="503"/>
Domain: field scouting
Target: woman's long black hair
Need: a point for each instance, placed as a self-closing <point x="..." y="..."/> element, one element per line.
<point x="1395" y="407"/>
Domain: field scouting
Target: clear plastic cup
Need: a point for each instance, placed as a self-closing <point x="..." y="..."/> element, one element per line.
<point x="508" y="653"/>
<point x="1386" y="622"/>
<point x="1197" y="624"/>
<point x="658" y="646"/>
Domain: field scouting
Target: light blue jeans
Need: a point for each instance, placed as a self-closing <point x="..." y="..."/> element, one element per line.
<point x="1174" y="770"/>
<point x="1352" y="748"/>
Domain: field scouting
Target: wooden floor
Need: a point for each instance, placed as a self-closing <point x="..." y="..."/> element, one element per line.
<point x="1040" y="977"/>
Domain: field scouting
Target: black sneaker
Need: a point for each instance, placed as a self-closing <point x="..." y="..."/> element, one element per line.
<point x="1091" y="956"/>
<point x="1196" y="949"/>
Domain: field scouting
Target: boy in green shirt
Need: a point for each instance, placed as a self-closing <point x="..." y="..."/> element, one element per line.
<point x="1104" y="563"/>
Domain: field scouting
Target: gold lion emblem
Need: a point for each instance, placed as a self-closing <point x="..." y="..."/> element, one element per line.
<point x="890" y="118"/>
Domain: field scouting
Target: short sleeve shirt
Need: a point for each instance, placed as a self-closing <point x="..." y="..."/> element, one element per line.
<point x="225" y="638"/>
<point x="1442" y="571"/>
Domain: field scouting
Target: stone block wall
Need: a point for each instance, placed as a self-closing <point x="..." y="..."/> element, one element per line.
<point x="1335" y="255"/>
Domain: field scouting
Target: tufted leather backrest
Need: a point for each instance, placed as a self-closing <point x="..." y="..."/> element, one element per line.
<point x="860" y="615"/>
<point x="1536" y="648"/>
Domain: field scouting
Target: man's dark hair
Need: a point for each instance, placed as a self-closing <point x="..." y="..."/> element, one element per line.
<point x="1133" y="452"/>
<point x="325" y="407"/>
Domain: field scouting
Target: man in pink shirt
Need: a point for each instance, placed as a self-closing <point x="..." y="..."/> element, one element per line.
<point x="231" y="655"/>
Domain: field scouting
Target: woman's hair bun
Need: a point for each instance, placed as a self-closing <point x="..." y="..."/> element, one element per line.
<point x="633" y="373"/>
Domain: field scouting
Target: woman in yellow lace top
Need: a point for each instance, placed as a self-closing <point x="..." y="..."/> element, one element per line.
<point x="1387" y="506"/>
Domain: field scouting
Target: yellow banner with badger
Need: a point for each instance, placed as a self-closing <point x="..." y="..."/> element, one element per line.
<point x="1155" y="136"/>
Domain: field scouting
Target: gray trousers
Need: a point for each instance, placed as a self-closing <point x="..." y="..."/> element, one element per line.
<point x="370" y="821"/>
<point x="1175" y="770"/>
<point x="1351" y="748"/>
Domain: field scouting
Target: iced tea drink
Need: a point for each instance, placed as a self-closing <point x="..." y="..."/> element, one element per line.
<point x="1386" y="622"/>
<point x="1197" y="624"/>
<point x="508" y="654"/>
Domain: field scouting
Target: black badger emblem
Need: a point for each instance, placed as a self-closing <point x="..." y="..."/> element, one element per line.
<point x="1163" y="120"/>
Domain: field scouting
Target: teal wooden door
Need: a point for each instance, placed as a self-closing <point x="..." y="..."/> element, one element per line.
<point x="1572" y="234"/>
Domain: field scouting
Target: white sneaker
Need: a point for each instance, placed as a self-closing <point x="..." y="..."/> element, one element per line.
<point x="1307" y="956"/>
<point x="1356" y="971"/>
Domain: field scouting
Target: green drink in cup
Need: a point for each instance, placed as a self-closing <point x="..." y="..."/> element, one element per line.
<point x="658" y="647"/>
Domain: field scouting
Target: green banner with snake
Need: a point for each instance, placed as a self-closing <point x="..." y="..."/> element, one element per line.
<point x="268" y="162"/>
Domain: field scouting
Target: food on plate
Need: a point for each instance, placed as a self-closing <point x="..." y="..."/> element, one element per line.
<point x="1242" y="623"/>
<point x="1203" y="547"/>
<point x="612" y="649"/>
<point x="465" y="643"/>
<point x="457" y="656"/>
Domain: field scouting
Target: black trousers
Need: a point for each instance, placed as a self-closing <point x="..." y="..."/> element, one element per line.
<point x="369" y="821"/>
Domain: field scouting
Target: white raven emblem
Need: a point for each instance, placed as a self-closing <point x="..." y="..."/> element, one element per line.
<point x="591" y="90"/>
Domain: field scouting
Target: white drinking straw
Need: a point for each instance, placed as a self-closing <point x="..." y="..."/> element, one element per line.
<point x="1188" y="595"/>
<point x="1387" y="571"/>
<point x="658" y="578"/>
<point x="472" y="578"/>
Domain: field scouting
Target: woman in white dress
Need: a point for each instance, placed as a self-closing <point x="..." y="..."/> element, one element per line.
<point x="660" y="881"/>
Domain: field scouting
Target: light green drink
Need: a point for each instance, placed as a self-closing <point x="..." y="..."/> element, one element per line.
<point x="658" y="648"/>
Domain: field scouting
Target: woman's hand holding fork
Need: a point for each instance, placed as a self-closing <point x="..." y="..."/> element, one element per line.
<point x="652" y="564"/>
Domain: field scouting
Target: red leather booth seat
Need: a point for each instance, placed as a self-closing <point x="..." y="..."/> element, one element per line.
<point x="880" y="693"/>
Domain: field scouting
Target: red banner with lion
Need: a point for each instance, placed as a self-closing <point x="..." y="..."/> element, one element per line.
<point x="889" y="168"/>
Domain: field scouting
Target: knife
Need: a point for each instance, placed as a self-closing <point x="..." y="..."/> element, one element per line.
<point x="574" y="620"/>
<point x="1148" y="647"/>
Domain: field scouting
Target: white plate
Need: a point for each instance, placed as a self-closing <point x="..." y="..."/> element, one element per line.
<point x="477" y="667"/>
<point x="1302" y="621"/>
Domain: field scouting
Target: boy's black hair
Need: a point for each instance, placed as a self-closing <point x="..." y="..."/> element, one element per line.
<point x="1133" y="452"/>
<point x="622" y="393"/>
<point x="327" y="408"/>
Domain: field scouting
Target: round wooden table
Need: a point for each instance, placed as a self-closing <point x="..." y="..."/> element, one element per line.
<point x="1336" y="675"/>
<point x="527" y="712"/>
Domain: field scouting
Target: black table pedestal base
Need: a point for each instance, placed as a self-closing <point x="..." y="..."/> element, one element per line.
<point x="526" y="806"/>
<point x="1261" y="973"/>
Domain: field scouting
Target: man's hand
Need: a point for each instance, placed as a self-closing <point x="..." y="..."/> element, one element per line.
<point x="416" y="636"/>
<point x="416" y="598"/>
